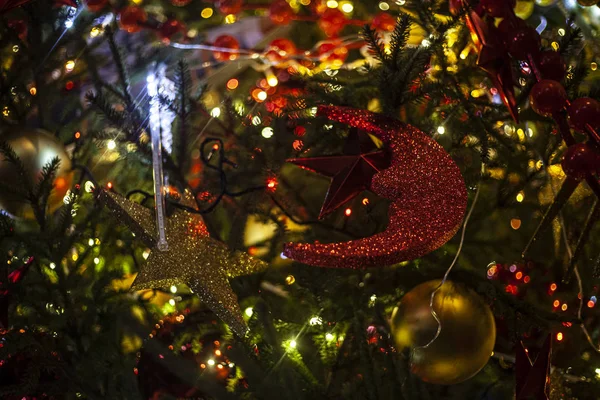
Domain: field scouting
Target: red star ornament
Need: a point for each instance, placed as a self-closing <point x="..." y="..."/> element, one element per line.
<point x="350" y="173"/>
<point x="533" y="377"/>
<point x="494" y="59"/>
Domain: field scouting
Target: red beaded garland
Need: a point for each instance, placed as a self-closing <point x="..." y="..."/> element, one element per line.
<point x="280" y="48"/>
<point x="170" y="28"/>
<point x="581" y="159"/>
<point x="95" y="5"/>
<point x="551" y="65"/>
<point x="548" y="97"/>
<point x="229" y="6"/>
<point x="281" y="13"/>
<point x="384" y="22"/>
<point x="498" y="8"/>
<point x="584" y="111"/>
<point x="227" y="42"/>
<point x="332" y="21"/>
<point x="525" y="41"/>
<point x="131" y="17"/>
<point x="332" y="52"/>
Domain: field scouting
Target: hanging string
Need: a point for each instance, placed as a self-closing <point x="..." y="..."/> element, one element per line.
<point x="460" y="246"/>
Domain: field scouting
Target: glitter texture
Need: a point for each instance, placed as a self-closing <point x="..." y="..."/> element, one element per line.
<point x="350" y="173"/>
<point x="202" y="263"/>
<point x="426" y="188"/>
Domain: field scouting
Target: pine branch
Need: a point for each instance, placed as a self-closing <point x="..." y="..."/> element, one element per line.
<point x="100" y="102"/>
<point x="121" y="69"/>
<point x="375" y="44"/>
<point x="400" y="36"/>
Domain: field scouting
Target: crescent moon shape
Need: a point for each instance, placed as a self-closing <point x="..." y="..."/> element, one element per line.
<point x="425" y="185"/>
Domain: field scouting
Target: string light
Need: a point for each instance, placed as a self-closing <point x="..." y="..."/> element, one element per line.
<point x="293" y="344"/>
<point x="441" y="130"/>
<point x="173" y="289"/>
<point x="215" y="112"/>
<point x="559" y="336"/>
<point x="290" y="279"/>
<point x="69" y="65"/>
<point x="267" y="132"/>
<point x="211" y="362"/>
<point x="172" y="302"/>
<point x="348" y="212"/>
<point x="261" y="95"/>
<point x="249" y="312"/>
<point x="96" y="260"/>
<point x="329" y="337"/>
<point x="91" y="242"/>
<point x="384" y="6"/>
<point x="315" y="321"/>
<point x="207" y="13"/>
<point x="520" y="197"/>
<point x="111" y="145"/>
<point x="52" y="265"/>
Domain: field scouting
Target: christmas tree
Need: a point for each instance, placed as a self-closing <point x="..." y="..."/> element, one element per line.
<point x="303" y="199"/>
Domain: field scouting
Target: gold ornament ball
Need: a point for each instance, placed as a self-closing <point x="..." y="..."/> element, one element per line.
<point x="546" y="3"/>
<point x="466" y="340"/>
<point x="35" y="148"/>
<point x="587" y="3"/>
<point x="524" y="8"/>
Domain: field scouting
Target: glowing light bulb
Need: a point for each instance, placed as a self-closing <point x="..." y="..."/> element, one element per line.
<point x="315" y="321"/>
<point x="262" y="95"/>
<point x="52" y="265"/>
<point x="249" y="311"/>
<point x="207" y="13"/>
<point x="172" y="302"/>
<point x="91" y="242"/>
<point x="441" y="130"/>
<point x="96" y="260"/>
<point x="272" y="81"/>
<point x="293" y="344"/>
<point x="111" y="145"/>
<point x="215" y="112"/>
<point x="329" y="337"/>
<point x="267" y="132"/>
<point x="173" y="289"/>
<point x="211" y="362"/>
<point x="69" y="65"/>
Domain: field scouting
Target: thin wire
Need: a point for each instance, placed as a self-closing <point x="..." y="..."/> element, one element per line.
<point x="460" y="246"/>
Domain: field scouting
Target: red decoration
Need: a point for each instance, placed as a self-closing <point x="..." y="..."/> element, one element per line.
<point x="498" y="8"/>
<point x="332" y="52"/>
<point x="229" y="6"/>
<point x="548" y="97"/>
<point x="332" y="21"/>
<point x="581" y="159"/>
<point x="552" y="65"/>
<point x="384" y="22"/>
<point x="170" y="28"/>
<point x="226" y="42"/>
<point x="350" y="173"/>
<point x="533" y="377"/>
<point x="13" y="278"/>
<point x="95" y="5"/>
<point x="131" y="18"/>
<point x="20" y="28"/>
<point x="281" y="48"/>
<point x="281" y="13"/>
<point x="180" y="3"/>
<point x="524" y="42"/>
<point x="584" y="112"/>
<point x="494" y="59"/>
<point x="423" y="215"/>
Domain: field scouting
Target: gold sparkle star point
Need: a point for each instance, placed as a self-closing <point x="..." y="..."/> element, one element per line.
<point x="193" y="257"/>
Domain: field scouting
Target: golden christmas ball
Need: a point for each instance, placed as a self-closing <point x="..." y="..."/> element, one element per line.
<point x="546" y="3"/>
<point x="35" y="148"/>
<point x="587" y="3"/>
<point x="466" y="339"/>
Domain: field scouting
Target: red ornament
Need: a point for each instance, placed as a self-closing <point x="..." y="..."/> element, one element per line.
<point x="332" y="21"/>
<point x="498" y="8"/>
<point x="332" y="52"/>
<point x="170" y="28"/>
<point x="384" y="22"/>
<point x="131" y="17"/>
<point x="581" y="159"/>
<point x="552" y="65"/>
<point x="95" y="5"/>
<point x="20" y="28"/>
<point x="548" y="97"/>
<point x="350" y="173"/>
<point x="281" y="13"/>
<point x="281" y="48"/>
<point x="525" y="41"/>
<point x="584" y="112"/>
<point x="532" y="377"/>
<point x="229" y="6"/>
<point x="226" y="42"/>
<point x="423" y="215"/>
<point x="180" y="3"/>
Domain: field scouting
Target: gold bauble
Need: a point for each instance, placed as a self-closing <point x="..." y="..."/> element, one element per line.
<point x="35" y="148"/>
<point x="465" y="342"/>
<point x="524" y="8"/>
<point x="546" y="3"/>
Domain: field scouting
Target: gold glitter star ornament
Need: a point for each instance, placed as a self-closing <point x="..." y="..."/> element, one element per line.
<point x="193" y="258"/>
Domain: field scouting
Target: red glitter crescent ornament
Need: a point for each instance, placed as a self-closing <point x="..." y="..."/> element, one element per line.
<point x="424" y="214"/>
